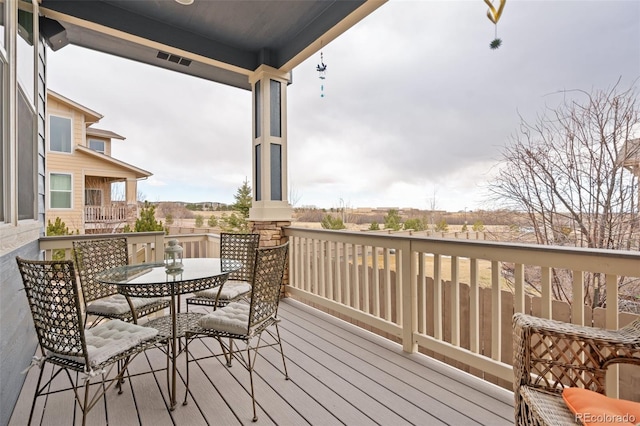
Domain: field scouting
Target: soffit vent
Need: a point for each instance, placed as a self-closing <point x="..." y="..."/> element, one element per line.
<point x="173" y="58"/>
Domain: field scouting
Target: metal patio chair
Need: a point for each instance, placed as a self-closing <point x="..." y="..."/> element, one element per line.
<point x="102" y="300"/>
<point x="233" y="247"/>
<point x="551" y="355"/>
<point x="53" y="296"/>
<point x="239" y="327"/>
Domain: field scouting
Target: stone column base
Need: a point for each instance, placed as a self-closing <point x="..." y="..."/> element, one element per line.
<point x="271" y="235"/>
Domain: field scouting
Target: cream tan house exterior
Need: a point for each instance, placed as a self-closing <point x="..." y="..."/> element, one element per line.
<point x="80" y="171"/>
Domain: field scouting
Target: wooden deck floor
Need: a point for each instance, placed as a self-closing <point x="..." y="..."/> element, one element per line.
<point x="339" y="375"/>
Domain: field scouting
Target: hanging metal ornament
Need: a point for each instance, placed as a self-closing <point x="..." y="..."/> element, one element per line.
<point x="494" y="16"/>
<point x="322" y="74"/>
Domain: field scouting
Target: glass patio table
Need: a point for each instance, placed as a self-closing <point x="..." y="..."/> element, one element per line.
<point x="154" y="280"/>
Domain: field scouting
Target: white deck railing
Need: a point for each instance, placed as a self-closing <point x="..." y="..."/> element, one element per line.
<point x="400" y="304"/>
<point x="418" y="294"/>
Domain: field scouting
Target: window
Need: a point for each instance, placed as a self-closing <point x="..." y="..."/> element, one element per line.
<point x="26" y="53"/>
<point x="97" y="145"/>
<point x="276" y="172"/>
<point x="92" y="197"/>
<point x="2" y="21"/>
<point x="3" y="139"/>
<point x="26" y="159"/>
<point x="257" y="110"/>
<point x="275" y="109"/>
<point x="59" y="134"/>
<point x="60" y="191"/>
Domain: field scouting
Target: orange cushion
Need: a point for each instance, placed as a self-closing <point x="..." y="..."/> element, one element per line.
<point x="594" y="409"/>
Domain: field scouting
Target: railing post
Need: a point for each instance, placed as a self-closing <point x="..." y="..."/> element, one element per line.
<point x="612" y="379"/>
<point x="159" y="247"/>
<point x="409" y="297"/>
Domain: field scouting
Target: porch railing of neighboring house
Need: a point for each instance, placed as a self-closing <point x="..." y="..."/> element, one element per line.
<point x="106" y="214"/>
<point x="445" y="310"/>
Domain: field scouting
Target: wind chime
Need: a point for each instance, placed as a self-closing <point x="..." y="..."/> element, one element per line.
<point x="494" y="16"/>
<point x="322" y="74"/>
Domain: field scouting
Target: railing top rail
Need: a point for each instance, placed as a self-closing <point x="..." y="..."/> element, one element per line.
<point x="192" y="236"/>
<point x="618" y="262"/>
<point x="141" y="235"/>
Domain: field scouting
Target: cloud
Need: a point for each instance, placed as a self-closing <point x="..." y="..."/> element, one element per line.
<point x="414" y="101"/>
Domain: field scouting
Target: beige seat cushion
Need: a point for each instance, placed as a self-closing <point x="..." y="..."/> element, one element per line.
<point x="233" y="318"/>
<point x="112" y="338"/>
<point x="230" y="290"/>
<point x="117" y="304"/>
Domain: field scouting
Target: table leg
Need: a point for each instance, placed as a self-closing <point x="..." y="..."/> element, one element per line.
<point x="173" y="372"/>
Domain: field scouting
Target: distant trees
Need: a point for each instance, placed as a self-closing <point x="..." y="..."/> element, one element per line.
<point x="237" y="221"/>
<point x="243" y="199"/>
<point x="442" y="226"/>
<point x="58" y="227"/>
<point x="478" y="226"/>
<point x="147" y="221"/>
<point x="332" y="222"/>
<point x="416" y="224"/>
<point x="565" y="170"/>
<point x="392" y="220"/>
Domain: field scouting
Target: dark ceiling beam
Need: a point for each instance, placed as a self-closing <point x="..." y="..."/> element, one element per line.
<point x="123" y="20"/>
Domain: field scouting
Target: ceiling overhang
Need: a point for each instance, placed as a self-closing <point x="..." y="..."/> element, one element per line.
<point x="221" y="41"/>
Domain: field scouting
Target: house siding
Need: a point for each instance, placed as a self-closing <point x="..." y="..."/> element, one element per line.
<point x="80" y="166"/>
<point x="18" y="340"/>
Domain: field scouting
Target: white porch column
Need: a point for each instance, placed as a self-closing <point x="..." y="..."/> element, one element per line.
<point x="131" y="191"/>
<point x="270" y="186"/>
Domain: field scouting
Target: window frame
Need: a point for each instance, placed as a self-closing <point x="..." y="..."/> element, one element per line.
<point x="49" y="133"/>
<point x="102" y="141"/>
<point x="51" y="190"/>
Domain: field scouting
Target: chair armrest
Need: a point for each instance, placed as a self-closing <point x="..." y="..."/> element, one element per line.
<point x="550" y="355"/>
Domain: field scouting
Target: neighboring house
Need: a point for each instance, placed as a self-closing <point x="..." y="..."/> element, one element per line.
<point x="629" y="157"/>
<point x="80" y="171"/>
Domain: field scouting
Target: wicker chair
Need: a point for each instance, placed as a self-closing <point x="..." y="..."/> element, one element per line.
<point x="551" y="355"/>
<point x="102" y="300"/>
<point x="233" y="247"/>
<point x="53" y="297"/>
<point x="238" y="327"/>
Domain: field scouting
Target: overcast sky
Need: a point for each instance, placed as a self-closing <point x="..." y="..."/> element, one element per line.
<point x="416" y="111"/>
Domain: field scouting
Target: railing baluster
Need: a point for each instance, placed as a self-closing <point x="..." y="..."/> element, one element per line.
<point x="474" y="307"/>
<point x="376" y="281"/>
<point x="545" y="283"/>
<point x="365" y="280"/>
<point x="314" y="266"/>
<point x="328" y="267"/>
<point x="496" y="311"/>
<point x="422" y="296"/>
<point x="340" y="254"/>
<point x="355" y="282"/>
<point x="437" y="297"/>
<point x="347" y="276"/>
<point x="455" y="302"/>
<point x="387" y="284"/>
